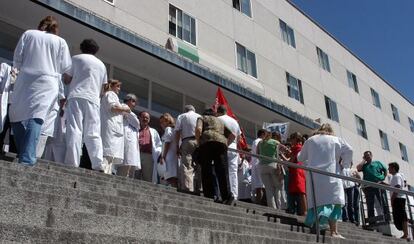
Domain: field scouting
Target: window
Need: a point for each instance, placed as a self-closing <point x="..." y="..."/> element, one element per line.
<point x="182" y="25"/>
<point x="403" y="150"/>
<point x="132" y="83"/>
<point x="384" y="140"/>
<point x="352" y="81"/>
<point x="411" y="122"/>
<point x="323" y="59"/>
<point x="243" y="6"/>
<point x="246" y="60"/>
<point x="395" y="113"/>
<point x="361" y="129"/>
<point x="294" y="87"/>
<point x="165" y="99"/>
<point x="375" y="98"/>
<point x="112" y="2"/>
<point x="288" y="35"/>
<point x="331" y="109"/>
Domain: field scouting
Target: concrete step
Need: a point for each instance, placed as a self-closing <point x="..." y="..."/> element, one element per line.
<point x="69" y="220"/>
<point x="166" y="206"/>
<point x="58" y="175"/>
<point x="15" y="196"/>
<point x="14" y="233"/>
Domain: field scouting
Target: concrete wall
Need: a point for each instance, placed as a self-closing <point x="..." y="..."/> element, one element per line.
<point x="219" y="26"/>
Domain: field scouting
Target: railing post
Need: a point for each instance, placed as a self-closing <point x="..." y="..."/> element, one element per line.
<point x="411" y="223"/>
<point x="315" y="211"/>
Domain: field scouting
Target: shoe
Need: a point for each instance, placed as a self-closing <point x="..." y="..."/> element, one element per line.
<point x="339" y="236"/>
<point x="229" y="201"/>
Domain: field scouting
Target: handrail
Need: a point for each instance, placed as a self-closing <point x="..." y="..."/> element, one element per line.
<point x="293" y="165"/>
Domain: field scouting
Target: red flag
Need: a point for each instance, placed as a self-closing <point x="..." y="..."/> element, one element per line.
<point x="221" y="100"/>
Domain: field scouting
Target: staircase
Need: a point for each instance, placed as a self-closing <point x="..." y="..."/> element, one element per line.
<point x="52" y="203"/>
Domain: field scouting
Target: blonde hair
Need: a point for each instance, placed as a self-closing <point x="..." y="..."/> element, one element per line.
<point x="110" y="84"/>
<point x="325" y="129"/>
<point x="170" y="120"/>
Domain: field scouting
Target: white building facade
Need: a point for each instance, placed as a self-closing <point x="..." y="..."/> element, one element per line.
<point x="273" y="61"/>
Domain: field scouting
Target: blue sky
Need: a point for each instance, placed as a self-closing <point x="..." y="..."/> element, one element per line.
<point x="380" y="32"/>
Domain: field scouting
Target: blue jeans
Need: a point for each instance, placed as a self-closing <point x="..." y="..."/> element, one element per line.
<point x="26" y="135"/>
<point x="350" y="211"/>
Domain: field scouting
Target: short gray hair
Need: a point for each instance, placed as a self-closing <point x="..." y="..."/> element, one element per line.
<point x="188" y="108"/>
<point x="130" y="96"/>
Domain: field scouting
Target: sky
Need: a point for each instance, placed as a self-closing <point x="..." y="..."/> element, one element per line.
<point x="380" y="32"/>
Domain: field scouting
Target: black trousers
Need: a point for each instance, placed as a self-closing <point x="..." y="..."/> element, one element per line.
<point x="7" y="127"/>
<point x="214" y="155"/>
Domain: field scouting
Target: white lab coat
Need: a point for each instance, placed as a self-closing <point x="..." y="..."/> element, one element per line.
<point x="156" y="152"/>
<point x="56" y="146"/>
<point x="256" y="179"/>
<point x="171" y="157"/>
<point x="131" y="145"/>
<point x="40" y="58"/>
<point x="4" y="90"/>
<point x="323" y="152"/>
<point x="112" y="127"/>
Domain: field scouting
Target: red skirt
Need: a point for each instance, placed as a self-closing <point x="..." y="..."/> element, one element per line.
<point x="297" y="181"/>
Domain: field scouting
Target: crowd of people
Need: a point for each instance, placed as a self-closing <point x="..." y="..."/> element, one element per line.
<point x="55" y="104"/>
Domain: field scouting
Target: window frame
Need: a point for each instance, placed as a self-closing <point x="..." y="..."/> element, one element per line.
<point x="411" y="124"/>
<point x="331" y="109"/>
<point x="376" y="101"/>
<point x="176" y="35"/>
<point x="395" y="113"/>
<point x="384" y="140"/>
<point x="290" y="87"/>
<point x="110" y="2"/>
<point x="323" y="59"/>
<point x="285" y="31"/>
<point x="361" y="122"/>
<point x="403" y="152"/>
<point x="352" y="81"/>
<point x="246" y="52"/>
<point x="240" y="8"/>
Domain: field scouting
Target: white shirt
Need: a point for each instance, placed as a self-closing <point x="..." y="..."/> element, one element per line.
<point x="233" y="126"/>
<point x="323" y="152"/>
<point x="41" y="58"/>
<point x="88" y="75"/>
<point x="255" y="160"/>
<point x="186" y="123"/>
<point x="347" y="183"/>
<point x="398" y="180"/>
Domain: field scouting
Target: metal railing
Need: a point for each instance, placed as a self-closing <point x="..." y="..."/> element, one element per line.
<point x="313" y="171"/>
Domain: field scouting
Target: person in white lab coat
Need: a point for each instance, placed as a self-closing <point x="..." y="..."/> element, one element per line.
<point x="86" y="78"/>
<point x="48" y="126"/>
<point x="7" y="75"/>
<point x="323" y="151"/>
<point x="112" y="126"/>
<point x="41" y="57"/>
<point x="169" y="155"/>
<point x="257" y="183"/>
<point x="233" y="157"/>
<point x="132" y="161"/>
<point x="55" y="148"/>
<point x="150" y="147"/>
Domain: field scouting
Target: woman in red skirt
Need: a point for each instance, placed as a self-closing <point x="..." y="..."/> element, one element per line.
<point x="297" y="178"/>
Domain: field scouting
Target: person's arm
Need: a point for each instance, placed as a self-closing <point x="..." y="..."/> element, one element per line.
<point x="66" y="78"/>
<point x="165" y="151"/>
<point x="119" y="108"/>
<point x="360" y="166"/>
<point x="19" y="52"/>
<point x="198" y="130"/>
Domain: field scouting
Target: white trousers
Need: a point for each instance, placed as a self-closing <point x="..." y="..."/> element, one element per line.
<point x="83" y="124"/>
<point x="54" y="151"/>
<point x="40" y="147"/>
<point x="233" y="159"/>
